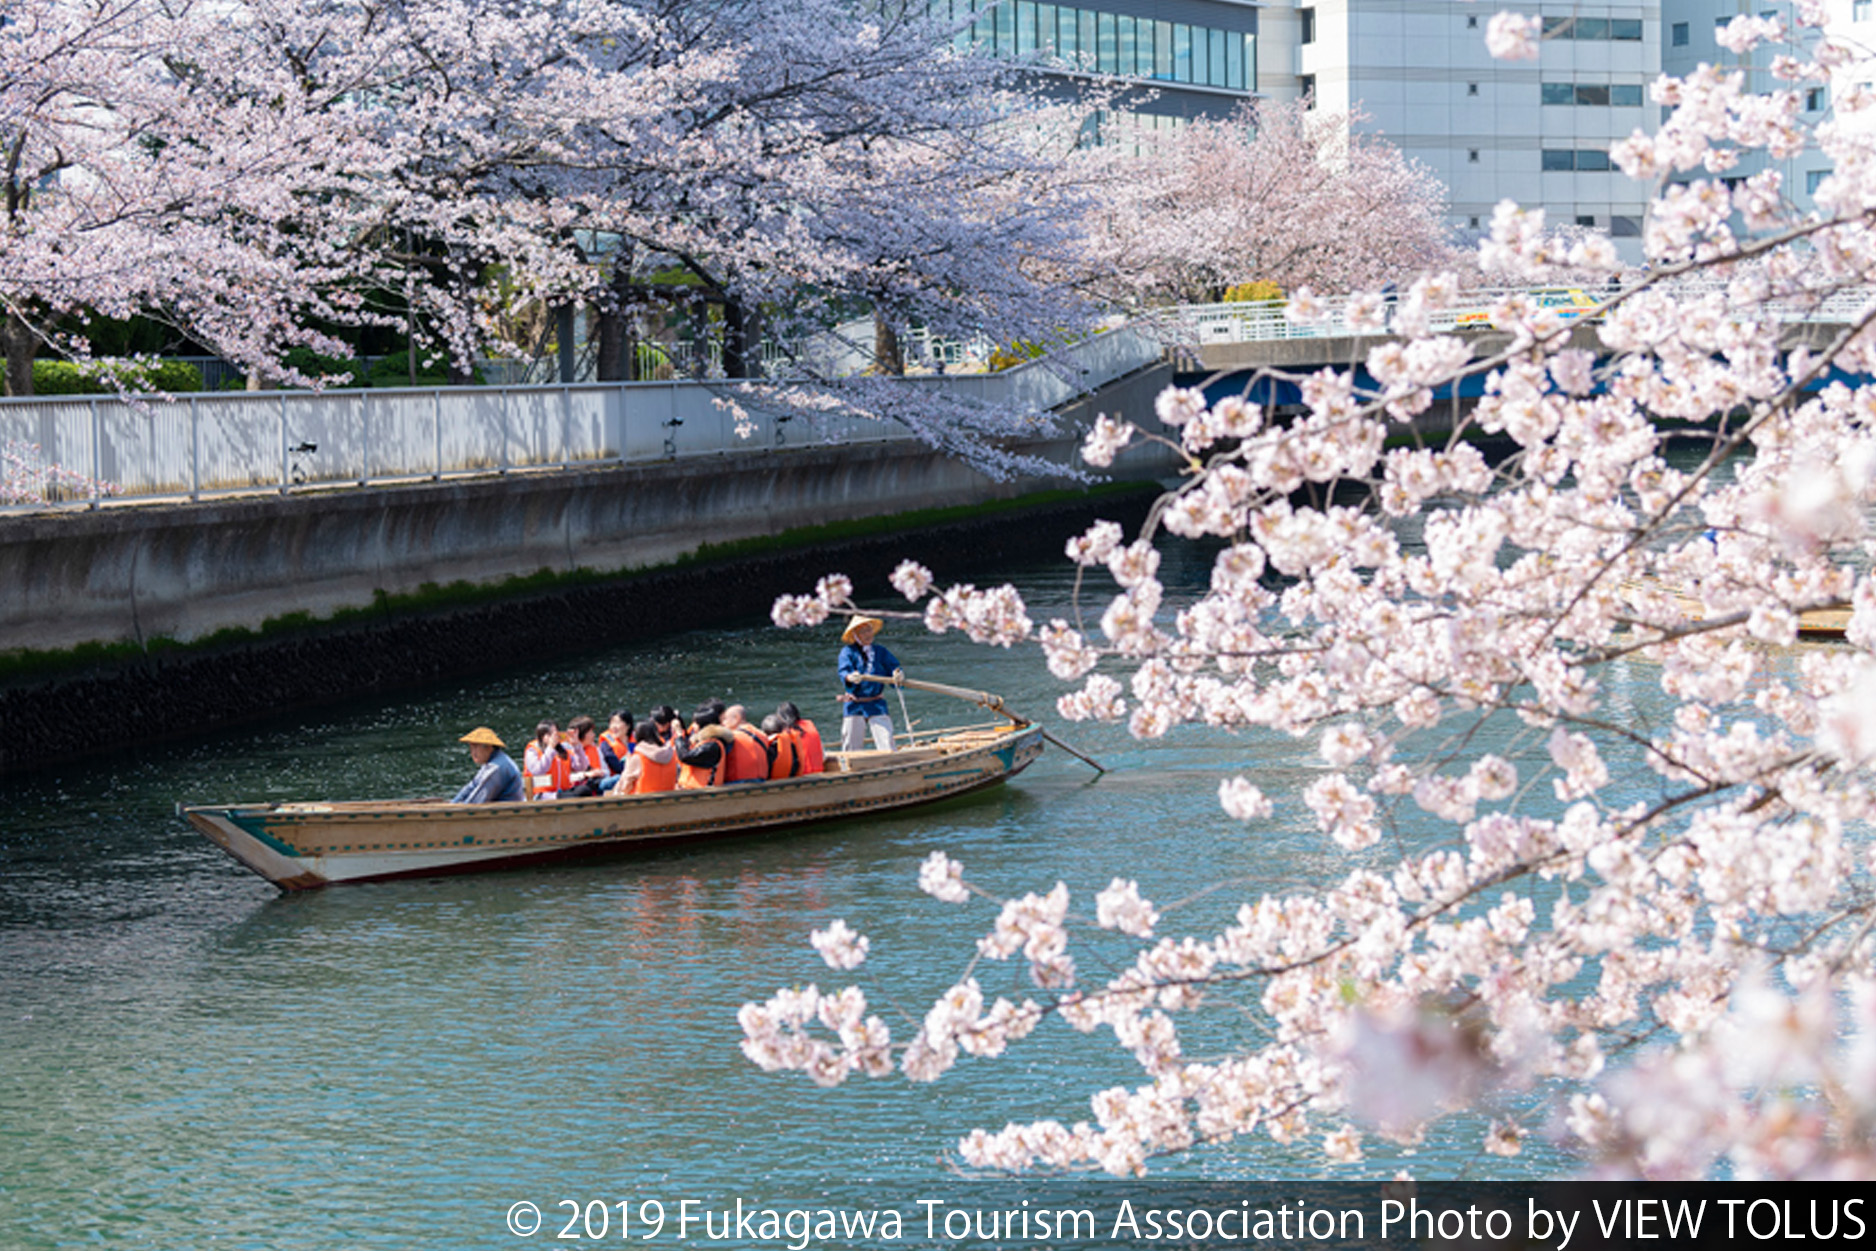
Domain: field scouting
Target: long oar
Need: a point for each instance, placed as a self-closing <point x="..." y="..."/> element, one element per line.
<point x="984" y="699"/>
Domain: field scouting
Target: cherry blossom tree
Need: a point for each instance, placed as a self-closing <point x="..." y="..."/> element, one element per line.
<point x="1279" y="192"/>
<point x="1682" y="984"/>
<point x="256" y="170"/>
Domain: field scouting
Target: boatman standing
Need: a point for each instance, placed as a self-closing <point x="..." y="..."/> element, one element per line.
<point x="860" y="659"/>
<point x="497" y="778"/>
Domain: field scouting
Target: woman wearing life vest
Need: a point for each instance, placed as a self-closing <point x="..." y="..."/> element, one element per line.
<point x="588" y="763"/>
<point x="787" y="744"/>
<point x="813" y="753"/>
<point x="862" y="661"/>
<point x="651" y="766"/>
<point x="703" y="753"/>
<point x="548" y="762"/>
<point x="615" y="745"/>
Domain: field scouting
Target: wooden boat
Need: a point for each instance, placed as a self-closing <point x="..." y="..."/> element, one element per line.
<point x="302" y="846"/>
<point x="1647" y="594"/>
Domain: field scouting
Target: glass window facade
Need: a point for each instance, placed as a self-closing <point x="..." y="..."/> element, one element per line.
<point x="1595" y="95"/>
<point x="1110" y="43"/>
<point x="1581" y="160"/>
<point x="1619" y="29"/>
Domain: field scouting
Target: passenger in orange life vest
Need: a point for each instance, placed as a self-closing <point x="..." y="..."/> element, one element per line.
<point x="651" y="766"/>
<point x="548" y="762"/>
<point x="813" y="753"/>
<point x="703" y="752"/>
<point x="787" y="743"/>
<point x="668" y="723"/>
<point x="588" y="765"/>
<point x="615" y="745"/>
<point x="751" y="754"/>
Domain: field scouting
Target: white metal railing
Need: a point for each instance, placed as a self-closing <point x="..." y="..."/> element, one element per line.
<point x="199" y="446"/>
<point x="1266" y="321"/>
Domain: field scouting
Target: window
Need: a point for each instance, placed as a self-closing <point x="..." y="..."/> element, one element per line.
<point x="1816" y="99"/>
<point x="1582" y="160"/>
<point x="1559" y="93"/>
<point x="1025" y="27"/>
<point x="1677" y="34"/>
<point x="1308" y="19"/>
<point x="1472" y="89"/>
<point x="1107" y="57"/>
<point x="1584" y="219"/>
<point x="1625" y="29"/>
<point x="1592" y="28"/>
<point x="1127" y="65"/>
<point x="1065" y="27"/>
<point x="1308" y="84"/>
<point x="1472" y="23"/>
<point x="1045" y="27"/>
<point x="1621" y="227"/>
<point x="1813" y="179"/>
<point x="1162" y="49"/>
<point x="1859" y="10"/>
<point x="1626" y="95"/>
<point x="1472" y="156"/>
<point x="1234" y="61"/>
<point x="1472" y="222"/>
<point x="1182" y="52"/>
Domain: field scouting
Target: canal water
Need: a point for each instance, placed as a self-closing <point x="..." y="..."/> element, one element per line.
<point x="189" y="1059"/>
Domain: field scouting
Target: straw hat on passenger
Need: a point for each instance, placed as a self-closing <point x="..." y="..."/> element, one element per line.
<point x="846" y="636"/>
<point x="483" y="735"/>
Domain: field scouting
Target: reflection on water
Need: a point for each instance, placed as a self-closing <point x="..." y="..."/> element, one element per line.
<point x="190" y="1058"/>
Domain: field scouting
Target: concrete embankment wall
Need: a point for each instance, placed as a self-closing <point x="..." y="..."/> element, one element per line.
<point x="148" y="577"/>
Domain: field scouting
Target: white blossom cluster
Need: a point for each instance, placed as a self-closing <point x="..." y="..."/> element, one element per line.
<point x="1651" y="941"/>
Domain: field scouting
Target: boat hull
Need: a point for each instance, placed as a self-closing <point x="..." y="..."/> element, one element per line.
<point x="307" y="846"/>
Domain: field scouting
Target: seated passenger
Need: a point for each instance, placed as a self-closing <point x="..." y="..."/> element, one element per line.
<point x="549" y="762"/>
<point x="496" y="780"/>
<point x="703" y="752"/>
<point x="588" y="764"/>
<point x="651" y="766"/>
<point x="616" y="743"/>
<point x="669" y="724"/>
<point x="752" y="756"/>
<point x="813" y="754"/>
<point x="787" y="741"/>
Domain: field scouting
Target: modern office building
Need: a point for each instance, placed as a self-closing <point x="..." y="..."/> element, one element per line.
<point x="1537" y="132"/>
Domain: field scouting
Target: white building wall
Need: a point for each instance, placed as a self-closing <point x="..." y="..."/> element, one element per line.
<point x="1420" y="71"/>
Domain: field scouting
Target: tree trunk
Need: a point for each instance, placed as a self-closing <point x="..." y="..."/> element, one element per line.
<point x="612" y="323"/>
<point x="20" y="345"/>
<point x="742" y="339"/>
<point x="888" y="354"/>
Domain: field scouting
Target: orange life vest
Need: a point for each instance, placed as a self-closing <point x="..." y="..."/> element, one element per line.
<point x="653" y="776"/>
<point x="620" y="748"/>
<point x="813" y="754"/>
<point x="691" y="777"/>
<point x="787" y="755"/>
<point x="749" y="755"/>
<point x="559" y="776"/>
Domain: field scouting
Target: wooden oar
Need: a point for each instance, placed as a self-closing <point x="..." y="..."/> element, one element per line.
<point x="984" y="699"/>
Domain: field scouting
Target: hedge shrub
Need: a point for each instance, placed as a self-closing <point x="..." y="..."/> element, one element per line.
<point x="101" y="377"/>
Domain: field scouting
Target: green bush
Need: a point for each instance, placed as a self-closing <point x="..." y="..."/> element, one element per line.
<point x="339" y="372"/>
<point x="101" y="377"/>
<point x="394" y="371"/>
